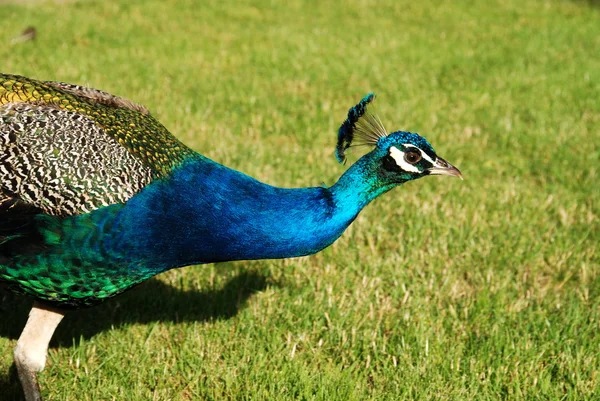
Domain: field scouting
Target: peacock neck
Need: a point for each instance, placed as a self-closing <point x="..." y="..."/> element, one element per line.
<point x="205" y="212"/>
<point x="358" y="186"/>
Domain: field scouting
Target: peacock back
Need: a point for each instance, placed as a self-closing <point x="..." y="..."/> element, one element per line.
<point x="68" y="149"/>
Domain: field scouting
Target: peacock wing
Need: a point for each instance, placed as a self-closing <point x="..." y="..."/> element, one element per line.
<point x="67" y="149"/>
<point x="62" y="162"/>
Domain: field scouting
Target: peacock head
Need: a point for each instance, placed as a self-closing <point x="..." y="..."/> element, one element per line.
<point x="398" y="157"/>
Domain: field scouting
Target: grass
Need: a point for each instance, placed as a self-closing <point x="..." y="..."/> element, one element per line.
<point x="485" y="289"/>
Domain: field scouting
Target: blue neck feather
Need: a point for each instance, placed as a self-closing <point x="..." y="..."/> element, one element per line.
<point x="205" y="212"/>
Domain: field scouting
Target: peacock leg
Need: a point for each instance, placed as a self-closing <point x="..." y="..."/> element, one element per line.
<point x="32" y="347"/>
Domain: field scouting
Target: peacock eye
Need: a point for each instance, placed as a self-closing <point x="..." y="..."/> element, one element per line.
<point x="412" y="157"/>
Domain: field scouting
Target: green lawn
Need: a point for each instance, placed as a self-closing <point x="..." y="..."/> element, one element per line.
<point x="484" y="289"/>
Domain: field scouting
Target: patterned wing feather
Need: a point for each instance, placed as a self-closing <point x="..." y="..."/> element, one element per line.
<point x="62" y="163"/>
<point x="128" y="123"/>
<point x="67" y="149"/>
<point x="98" y="96"/>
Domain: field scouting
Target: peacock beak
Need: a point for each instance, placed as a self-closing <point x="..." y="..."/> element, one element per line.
<point x="442" y="167"/>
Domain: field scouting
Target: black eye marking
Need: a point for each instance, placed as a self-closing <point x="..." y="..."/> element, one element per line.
<point x="412" y="156"/>
<point x="390" y="164"/>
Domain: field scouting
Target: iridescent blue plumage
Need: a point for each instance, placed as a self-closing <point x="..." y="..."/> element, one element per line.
<point x="203" y="212"/>
<point x="76" y="245"/>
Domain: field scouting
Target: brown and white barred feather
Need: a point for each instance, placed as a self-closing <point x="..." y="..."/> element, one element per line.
<point x="62" y="162"/>
<point x="98" y="96"/>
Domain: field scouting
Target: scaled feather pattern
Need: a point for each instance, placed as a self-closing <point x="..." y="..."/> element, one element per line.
<point x="97" y="196"/>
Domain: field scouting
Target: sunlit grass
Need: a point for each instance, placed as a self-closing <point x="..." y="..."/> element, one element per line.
<point x="483" y="289"/>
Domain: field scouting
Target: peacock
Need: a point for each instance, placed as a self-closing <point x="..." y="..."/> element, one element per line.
<point x="97" y="196"/>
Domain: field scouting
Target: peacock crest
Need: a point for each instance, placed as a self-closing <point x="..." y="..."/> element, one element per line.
<point x="361" y="128"/>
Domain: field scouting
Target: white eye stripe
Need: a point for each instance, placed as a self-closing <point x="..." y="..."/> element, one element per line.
<point x="398" y="157"/>
<point x="425" y="155"/>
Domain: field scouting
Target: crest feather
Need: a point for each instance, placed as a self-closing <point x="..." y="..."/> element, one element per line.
<point x="361" y="128"/>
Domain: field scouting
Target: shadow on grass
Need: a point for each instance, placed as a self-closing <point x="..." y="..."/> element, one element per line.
<point x="149" y="302"/>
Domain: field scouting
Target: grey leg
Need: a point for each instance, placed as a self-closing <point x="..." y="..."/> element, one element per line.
<point x="32" y="347"/>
